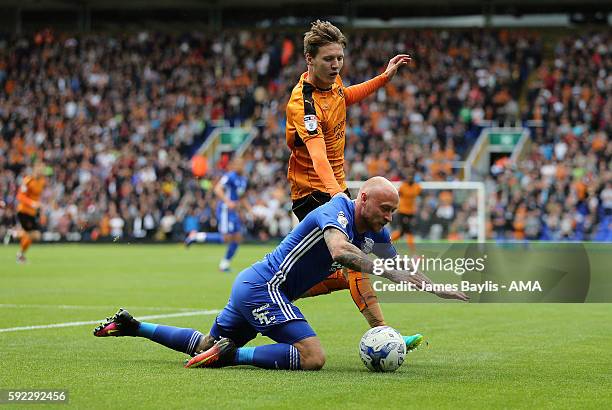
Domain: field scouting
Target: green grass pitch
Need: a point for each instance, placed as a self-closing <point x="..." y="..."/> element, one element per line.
<point x="479" y="355"/>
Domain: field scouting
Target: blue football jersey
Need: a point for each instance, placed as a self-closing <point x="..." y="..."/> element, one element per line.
<point x="302" y="259"/>
<point x="234" y="185"/>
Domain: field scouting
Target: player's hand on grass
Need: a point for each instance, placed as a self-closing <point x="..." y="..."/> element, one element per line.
<point x="395" y="63"/>
<point x="453" y="295"/>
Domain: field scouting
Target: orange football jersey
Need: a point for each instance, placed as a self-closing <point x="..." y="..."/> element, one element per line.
<point x="408" y="195"/>
<point x="31" y="189"/>
<point x="315" y="113"/>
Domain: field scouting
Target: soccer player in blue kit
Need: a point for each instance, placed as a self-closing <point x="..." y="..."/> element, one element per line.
<point x="229" y="191"/>
<point x="332" y="235"/>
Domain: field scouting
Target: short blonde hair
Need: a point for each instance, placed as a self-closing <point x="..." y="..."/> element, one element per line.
<point x="322" y="33"/>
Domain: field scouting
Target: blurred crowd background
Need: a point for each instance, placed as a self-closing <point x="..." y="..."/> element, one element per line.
<point x="117" y="117"/>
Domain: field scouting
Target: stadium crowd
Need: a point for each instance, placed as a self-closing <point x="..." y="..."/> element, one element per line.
<point x="116" y="118"/>
<point x="562" y="189"/>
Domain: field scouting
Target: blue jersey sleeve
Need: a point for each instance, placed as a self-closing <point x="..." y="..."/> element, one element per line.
<point x="338" y="214"/>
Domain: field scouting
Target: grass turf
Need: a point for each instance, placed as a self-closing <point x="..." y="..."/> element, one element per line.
<point x="479" y="355"/>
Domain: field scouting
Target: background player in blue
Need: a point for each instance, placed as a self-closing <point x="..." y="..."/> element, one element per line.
<point x="228" y="190"/>
<point x="335" y="234"/>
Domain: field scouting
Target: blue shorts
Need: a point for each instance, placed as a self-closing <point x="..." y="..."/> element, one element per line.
<point x="258" y="307"/>
<point x="228" y="220"/>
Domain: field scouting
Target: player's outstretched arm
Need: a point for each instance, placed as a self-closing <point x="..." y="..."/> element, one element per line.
<point x="316" y="149"/>
<point x="350" y="256"/>
<point x="358" y="92"/>
<point x="345" y="253"/>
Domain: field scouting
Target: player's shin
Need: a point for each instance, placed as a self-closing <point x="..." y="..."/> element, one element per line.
<point x="25" y="242"/>
<point x="231" y="250"/>
<point x="280" y="356"/>
<point x="176" y="338"/>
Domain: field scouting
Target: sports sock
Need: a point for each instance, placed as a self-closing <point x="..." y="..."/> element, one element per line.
<point x="410" y="242"/>
<point x="276" y="356"/>
<point x="25" y="242"/>
<point x="176" y="338"/>
<point x="211" y="237"/>
<point x="231" y="250"/>
<point x="395" y="236"/>
<point x="365" y="298"/>
<point x="214" y="237"/>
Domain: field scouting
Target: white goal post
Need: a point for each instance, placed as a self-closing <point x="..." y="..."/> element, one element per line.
<point x="479" y="187"/>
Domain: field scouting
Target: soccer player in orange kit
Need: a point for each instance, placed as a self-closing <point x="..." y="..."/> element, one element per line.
<point x="408" y="192"/>
<point x="28" y="206"/>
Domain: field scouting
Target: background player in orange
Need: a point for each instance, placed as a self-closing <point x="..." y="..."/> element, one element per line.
<point x="28" y="206"/>
<point x="408" y="193"/>
<point x="315" y="133"/>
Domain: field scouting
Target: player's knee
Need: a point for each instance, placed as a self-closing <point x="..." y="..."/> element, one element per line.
<point x="313" y="361"/>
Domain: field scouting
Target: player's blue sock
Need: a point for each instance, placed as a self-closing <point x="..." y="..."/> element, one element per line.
<point x="176" y="338"/>
<point x="214" y="237"/>
<point x="231" y="250"/>
<point x="277" y="356"/>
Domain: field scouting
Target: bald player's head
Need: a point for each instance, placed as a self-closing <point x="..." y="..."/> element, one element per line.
<point x="376" y="202"/>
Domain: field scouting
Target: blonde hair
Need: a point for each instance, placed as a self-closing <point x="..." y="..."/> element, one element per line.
<point x="322" y="33"/>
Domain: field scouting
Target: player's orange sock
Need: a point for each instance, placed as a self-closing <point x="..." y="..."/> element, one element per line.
<point x="395" y="235"/>
<point x="410" y="243"/>
<point x="365" y="298"/>
<point x="335" y="281"/>
<point x="25" y="242"/>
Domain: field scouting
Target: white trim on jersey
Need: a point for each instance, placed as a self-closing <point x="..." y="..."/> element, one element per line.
<point x="224" y="220"/>
<point x="195" y="338"/>
<point x="279" y="277"/>
<point x="297" y="247"/>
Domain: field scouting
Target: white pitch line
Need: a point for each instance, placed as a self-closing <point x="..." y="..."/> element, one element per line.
<point x="93" y="322"/>
<point x="89" y="307"/>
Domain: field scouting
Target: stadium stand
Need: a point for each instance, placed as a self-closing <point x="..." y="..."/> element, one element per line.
<point x="116" y="118"/>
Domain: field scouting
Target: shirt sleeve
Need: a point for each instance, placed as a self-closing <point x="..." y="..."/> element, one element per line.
<point x="304" y="115"/>
<point x="334" y="214"/>
<point x="358" y="92"/>
<point x="321" y="165"/>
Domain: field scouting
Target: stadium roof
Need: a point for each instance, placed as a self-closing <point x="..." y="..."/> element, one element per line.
<point x="88" y="14"/>
<point x="223" y="4"/>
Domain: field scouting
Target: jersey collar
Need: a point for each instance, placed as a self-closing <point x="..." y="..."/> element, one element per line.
<point x="305" y="79"/>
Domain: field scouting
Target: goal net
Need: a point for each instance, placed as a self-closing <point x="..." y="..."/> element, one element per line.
<point x="446" y="210"/>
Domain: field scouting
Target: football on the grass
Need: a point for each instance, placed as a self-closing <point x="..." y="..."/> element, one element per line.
<point x="382" y="349"/>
